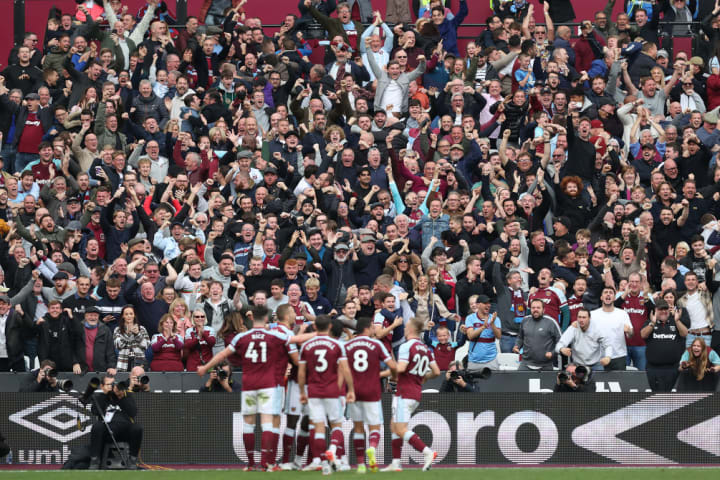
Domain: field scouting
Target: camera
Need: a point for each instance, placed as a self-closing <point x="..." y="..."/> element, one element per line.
<point x="52" y="373"/>
<point x="222" y="374"/>
<point x="144" y="380"/>
<point x="580" y="375"/>
<point x="65" y="385"/>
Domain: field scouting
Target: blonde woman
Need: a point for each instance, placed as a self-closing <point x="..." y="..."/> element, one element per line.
<point x="167" y="347"/>
<point x="181" y="314"/>
<point x="429" y="307"/>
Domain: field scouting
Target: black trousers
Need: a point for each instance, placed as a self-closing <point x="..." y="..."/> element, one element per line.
<point x="661" y="378"/>
<point x="132" y="433"/>
<point x="619" y="363"/>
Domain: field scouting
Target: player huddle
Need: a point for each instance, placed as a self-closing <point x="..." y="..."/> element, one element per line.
<point x="329" y="373"/>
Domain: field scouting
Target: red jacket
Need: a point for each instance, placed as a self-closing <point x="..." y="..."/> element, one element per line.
<point x="584" y="53"/>
<point x="167" y="354"/>
<point x="713" y="92"/>
<point x="198" y="350"/>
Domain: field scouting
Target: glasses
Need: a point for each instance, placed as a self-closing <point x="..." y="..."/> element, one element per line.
<point x="687" y="84"/>
<point x="402" y="261"/>
<point x="557" y="155"/>
<point x="199" y="316"/>
<point x="444" y="146"/>
<point x="401" y="56"/>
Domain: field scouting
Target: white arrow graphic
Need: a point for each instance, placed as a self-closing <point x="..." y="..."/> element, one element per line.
<point x="600" y="435"/>
<point x="703" y="436"/>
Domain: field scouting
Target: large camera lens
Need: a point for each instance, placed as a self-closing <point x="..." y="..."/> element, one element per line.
<point x="65" y="385"/>
<point x="144" y="380"/>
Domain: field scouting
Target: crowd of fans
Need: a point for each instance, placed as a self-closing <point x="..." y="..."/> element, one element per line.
<point x="157" y="181"/>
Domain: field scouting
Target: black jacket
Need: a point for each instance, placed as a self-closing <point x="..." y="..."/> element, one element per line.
<point x="15" y="328"/>
<point x="60" y="340"/>
<point x="8" y="108"/>
<point x="125" y="408"/>
<point x="45" y="116"/>
<point x="104" y="355"/>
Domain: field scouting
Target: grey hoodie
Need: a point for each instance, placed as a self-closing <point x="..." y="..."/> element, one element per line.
<point x="536" y="337"/>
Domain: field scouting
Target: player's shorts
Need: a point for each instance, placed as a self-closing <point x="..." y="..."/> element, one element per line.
<point x="370" y="413"/>
<point x="262" y="400"/>
<point x="292" y="400"/>
<point x="278" y="400"/>
<point x="325" y="408"/>
<point x="403" y="408"/>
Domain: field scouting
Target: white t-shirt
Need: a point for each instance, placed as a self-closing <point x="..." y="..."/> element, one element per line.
<point x="612" y="325"/>
<point x="393" y="96"/>
<point x="696" y="311"/>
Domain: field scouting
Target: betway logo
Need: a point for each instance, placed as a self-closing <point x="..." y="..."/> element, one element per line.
<point x="56" y="418"/>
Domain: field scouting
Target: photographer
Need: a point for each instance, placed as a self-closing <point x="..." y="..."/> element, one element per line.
<point x="457" y="380"/>
<point x="575" y="378"/>
<point x="43" y="379"/>
<point x="139" y="382"/>
<point x="118" y="408"/>
<point x="220" y="380"/>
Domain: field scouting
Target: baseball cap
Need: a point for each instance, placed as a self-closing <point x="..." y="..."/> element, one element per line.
<point x="663" y="53"/>
<point x="341" y="246"/>
<point x="270" y="169"/>
<point x="483" y="299"/>
<point x="596" y="124"/>
<point x="563" y="219"/>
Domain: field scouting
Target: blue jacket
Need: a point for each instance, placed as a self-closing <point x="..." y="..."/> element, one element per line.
<point x="448" y="29"/>
<point x="432" y="228"/>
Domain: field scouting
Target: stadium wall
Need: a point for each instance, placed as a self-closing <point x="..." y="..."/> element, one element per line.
<point x="497" y="429"/>
<point x="501" y="381"/>
<point x="270" y="12"/>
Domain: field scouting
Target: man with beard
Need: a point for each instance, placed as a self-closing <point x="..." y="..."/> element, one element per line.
<point x="537" y="337"/>
<point x="616" y="326"/>
<point x="554" y="301"/>
<point x="339" y="273"/>
<point x="580" y="150"/>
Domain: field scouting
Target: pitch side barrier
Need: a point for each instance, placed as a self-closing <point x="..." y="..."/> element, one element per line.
<point x="502" y="381"/>
<point x="465" y="429"/>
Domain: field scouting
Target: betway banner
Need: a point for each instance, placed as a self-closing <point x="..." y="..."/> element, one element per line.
<point x="465" y="429"/>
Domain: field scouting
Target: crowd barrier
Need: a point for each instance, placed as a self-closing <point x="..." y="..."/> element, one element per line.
<point x="465" y="429"/>
<point x="503" y="381"/>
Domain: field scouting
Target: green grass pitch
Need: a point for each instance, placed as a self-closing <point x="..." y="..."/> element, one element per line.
<point x="511" y="473"/>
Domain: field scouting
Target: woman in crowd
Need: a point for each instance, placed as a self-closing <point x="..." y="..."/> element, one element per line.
<point x="131" y="340"/>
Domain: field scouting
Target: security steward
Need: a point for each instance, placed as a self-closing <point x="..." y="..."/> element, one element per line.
<point x="664" y="334"/>
<point x="119" y="409"/>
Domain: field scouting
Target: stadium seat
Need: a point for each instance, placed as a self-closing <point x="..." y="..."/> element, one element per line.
<point x="508" y="361"/>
